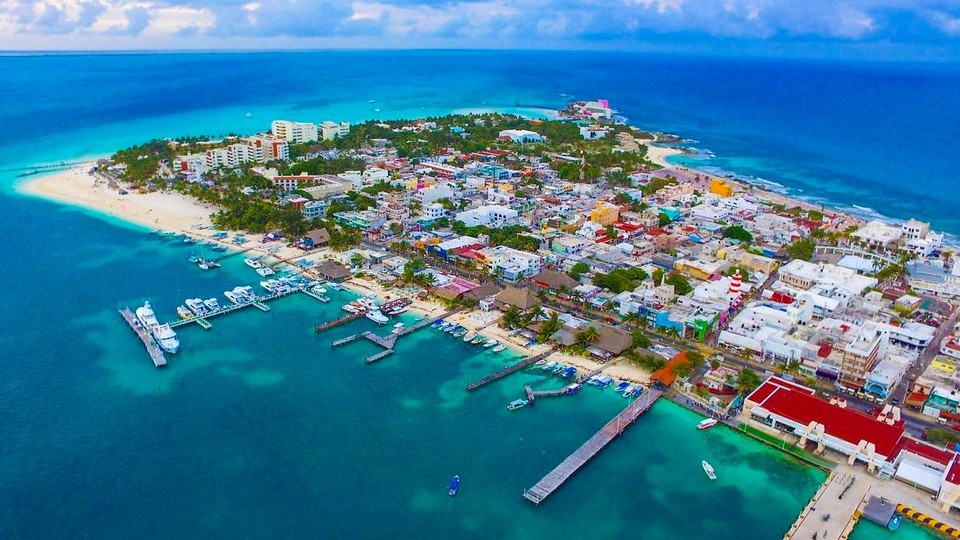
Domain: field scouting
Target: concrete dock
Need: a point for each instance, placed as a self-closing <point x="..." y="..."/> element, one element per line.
<point x="156" y="354"/>
<point x="833" y="510"/>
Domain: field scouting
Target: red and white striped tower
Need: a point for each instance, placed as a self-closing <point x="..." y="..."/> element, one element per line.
<point x="736" y="281"/>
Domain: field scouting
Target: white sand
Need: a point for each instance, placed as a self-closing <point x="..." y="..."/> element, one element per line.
<point x="659" y="154"/>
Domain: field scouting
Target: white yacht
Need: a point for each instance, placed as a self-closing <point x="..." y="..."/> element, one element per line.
<point x="196" y="306"/>
<point x="232" y="297"/>
<point x="165" y="336"/>
<point x="707" y="468"/>
<point x="252" y="263"/>
<point x="377" y="317"/>
<point x="212" y="304"/>
<point x="265" y="271"/>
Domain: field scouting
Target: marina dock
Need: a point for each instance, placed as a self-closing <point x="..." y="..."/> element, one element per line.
<point x="508" y="370"/>
<point x="532" y="394"/>
<point x="380" y="355"/>
<point x="337" y="322"/>
<point x="555" y="478"/>
<point x="386" y="342"/>
<point x="260" y="303"/>
<point x="345" y="340"/>
<point x="833" y="510"/>
<point x="156" y="354"/>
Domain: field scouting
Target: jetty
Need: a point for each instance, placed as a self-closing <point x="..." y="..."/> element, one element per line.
<point x="532" y="394"/>
<point x="555" y="478"/>
<point x="338" y="322"/>
<point x="380" y="355"/>
<point x="260" y="303"/>
<point x="156" y="354"/>
<point x="527" y="362"/>
<point x="344" y="341"/>
<point x="840" y="498"/>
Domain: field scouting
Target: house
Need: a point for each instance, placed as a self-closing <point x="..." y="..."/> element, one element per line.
<point x="520" y="136"/>
<point x="554" y="281"/>
<point x="332" y="271"/>
<point x="666" y="375"/>
<point x="515" y="297"/>
<point x="491" y="216"/>
<point x="316" y="238"/>
<point x="612" y="342"/>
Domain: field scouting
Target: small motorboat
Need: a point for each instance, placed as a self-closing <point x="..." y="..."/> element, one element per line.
<point x="894" y="522"/>
<point x="454" y="486"/>
<point x="499" y="348"/>
<point x="516" y="404"/>
<point x="569" y="372"/>
<point x="468" y="337"/>
<point x="184" y="313"/>
<point x="707" y="468"/>
<point x="623" y="386"/>
<point x="490" y="343"/>
<point x="707" y="423"/>
<point x="477" y="340"/>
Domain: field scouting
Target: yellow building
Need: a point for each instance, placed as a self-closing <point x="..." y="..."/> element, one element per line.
<point x="719" y="186"/>
<point x="605" y="213"/>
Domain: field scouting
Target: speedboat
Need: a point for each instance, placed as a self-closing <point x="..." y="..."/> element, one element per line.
<point x="212" y="304"/>
<point x="623" y="386"/>
<point x="459" y="332"/>
<point x="265" y="271"/>
<point x="437" y="323"/>
<point x="397" y="328"/>
<point x="468" y="337"/>
<point x="707" y="423"/>
<point x="627" y="391"/>
<point x="569" y="372"/>
<point x="477" y="340"/>
<point x="516" y="404"/>
<point x="210" y="263"/>
<point x="377" y="317"/>
<point x="490" y="343"/>
<point x="452" y="328"/>
<point x="184" y="313"/>
<point x="558" y="368"/>
<point x="454" y="486"/>
<point x="193" y="258"/>
<point x="252" y="262"/>
<point x="500" y="348"/>
<point x="549" y="366"/>
<point x="572" y="389"/>
<point x="707" y="468"/>
<point x="167" y="338"/>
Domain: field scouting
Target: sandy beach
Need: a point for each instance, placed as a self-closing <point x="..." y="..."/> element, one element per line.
<point x="659" y="154"/>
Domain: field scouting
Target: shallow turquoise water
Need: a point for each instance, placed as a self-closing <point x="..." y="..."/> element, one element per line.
<point x="867" y="530"/>
<point x="259" y="429"/>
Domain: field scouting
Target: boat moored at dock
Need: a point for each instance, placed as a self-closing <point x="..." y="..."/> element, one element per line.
<point x="707" y="423"/>
<point x="164" y="336"/>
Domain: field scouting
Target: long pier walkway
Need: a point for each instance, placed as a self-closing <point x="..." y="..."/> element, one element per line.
<point x="555" y="478"/>
<point x="156" y="354"/>
<point x="839" y="497"/>
<point x="337" y="322"/>
<point x="508" y="370"/>
<point x="259" y="303"/>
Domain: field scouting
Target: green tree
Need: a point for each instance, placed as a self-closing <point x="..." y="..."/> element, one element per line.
<point x="578" y="270"/>
<point x="680" y="284"/>
<point x="511" y="317"/>
<point x="663" y="219"/>
<point x="748" y="380"/>
<point x="640" y="340"/>
<point x="802" y="249"/>
<point x="588" y="335"/>
<point x="356" y="260"/>
<point x="658" y="277"/>
<point x="940" y="436"/>
<point x="737" y="232"/>
<point x="549" y="327"/>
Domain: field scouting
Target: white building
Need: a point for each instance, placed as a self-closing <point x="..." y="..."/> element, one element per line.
<point x="295" y="132"/>
<point x="827" y="286"/>
<point x="493" y="216"/>
<point x="935" y="280"/>
<point x="512" y="264"/>
<point x="521" y="136"/>
<point x="434" y="211"/>
<point x="332" y="130"/>
<point x="878" y="234"/>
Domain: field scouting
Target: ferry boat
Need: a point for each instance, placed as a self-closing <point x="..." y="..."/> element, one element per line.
<point x="707" y="468"/>
<point x="265" y="271"/>
<point x="454" y="486"/>
<point x="377" y="317"/>
<point x="707" y="423"/>
<point x="516" y="404"/>
<point x="252" y="262"/>
<point x="500" y="348"/>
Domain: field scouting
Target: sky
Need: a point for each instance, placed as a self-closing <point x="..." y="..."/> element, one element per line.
<point x="886" y="29"/>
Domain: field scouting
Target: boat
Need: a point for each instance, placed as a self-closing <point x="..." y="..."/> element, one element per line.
<point x="477" y="340"/>
<point x="637" y="390"/>
<point x="459" y="332"/>
<point x="212" y="304"/>
<point x="569" y="372"/>
<point x="468" y="337"/>
<point x="270" y="285"/>
<point x="167" y="338"/>
<point x="196" y="306"/>
<point x="490" y="343"/>
<point x="894" y="523"/>
<point x="164" y="335"/>
<point x="516" y="404"/>
<point x="350" y="308"/>
<point x="623" y="386"/>
<point x="193" y="258"/>
<point x="707" y="468"/>
<point x="252" y="262"/>
<point x="572" y="389"/>
<point x="265" y="271"/>
<point x="211" y="263"/>
<point x="232" y="297"/>
<point x="452" y="328"/>
<point x="549" y="366"/>
<point x="558" y="367"/>
<point x="397" y="328"/>
<point x="377" y="317"/>
<point x="627" y="391"/>
<point x="184" y="313"/>
<point x="335" y="286"/>
<point x="500" y="348"/>
<point x="454" y="486"/>
<point x="540" y="362"/>
<point x="707" y="423"/>
<point x="437" y="323"/>
<point x="203" y="264"/>
<point x="189" y="240"/>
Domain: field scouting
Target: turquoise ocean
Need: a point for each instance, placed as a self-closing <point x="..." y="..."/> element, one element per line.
<point x="258" y="428"/>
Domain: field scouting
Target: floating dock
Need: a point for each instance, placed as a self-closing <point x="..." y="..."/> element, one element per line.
<point x="345" y="340"/>
<point x="555" y="478"/>
<point x="260" y="303"/>
<point x="154" y="350"/>
<point x="508" y="371"/>
<point x="316" y="296"/>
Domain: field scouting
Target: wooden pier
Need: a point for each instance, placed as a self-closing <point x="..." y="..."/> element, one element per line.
<point x="532" y="394"/>
<point x="156" y="354"/>
<point x="260" y="303"/>
<point x="345" y="340"/>
<point x="555" y="478"/>
<point x="385" y="342"/>
<point x="509" y="370"/>
<point x="379" y="356"/>
<point x="337" y="322"/>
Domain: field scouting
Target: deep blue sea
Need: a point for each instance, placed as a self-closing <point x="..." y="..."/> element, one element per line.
<point x="259" y="429"/>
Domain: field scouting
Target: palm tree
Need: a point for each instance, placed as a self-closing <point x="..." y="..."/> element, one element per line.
<point x="511" y="317"/>
<point x="588" y="335"/>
